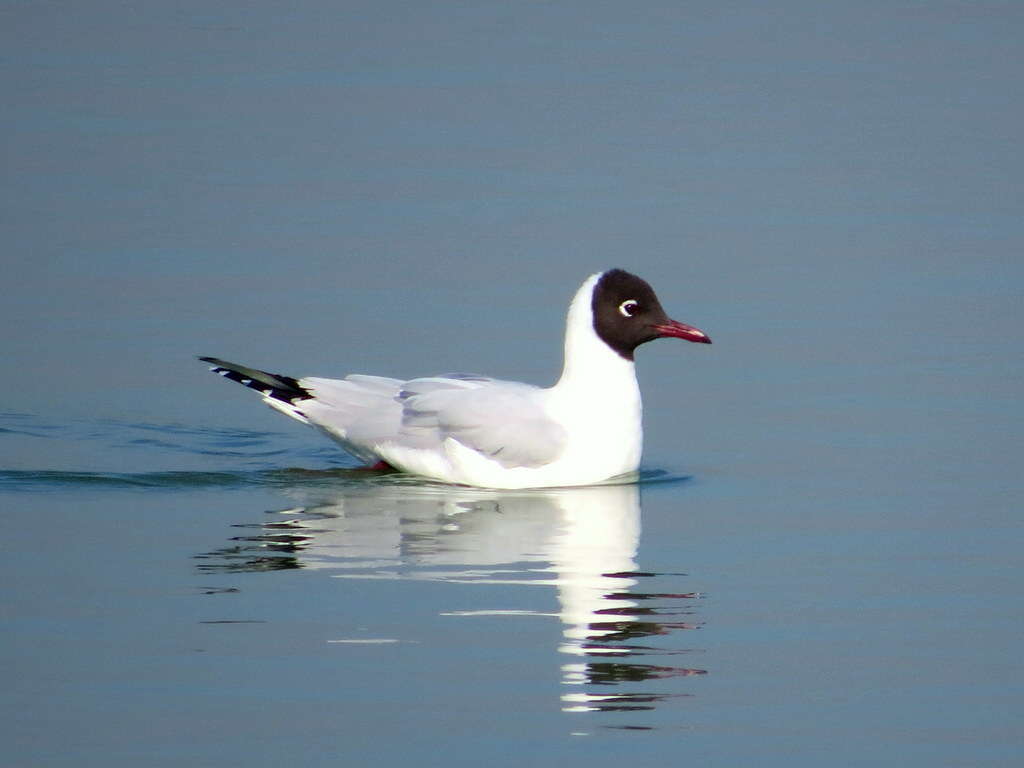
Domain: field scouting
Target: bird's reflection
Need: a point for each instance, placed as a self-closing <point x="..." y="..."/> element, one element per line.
<point x="582" y="541"/>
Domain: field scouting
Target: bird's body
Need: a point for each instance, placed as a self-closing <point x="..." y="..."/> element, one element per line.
<point x="474" y="430"/>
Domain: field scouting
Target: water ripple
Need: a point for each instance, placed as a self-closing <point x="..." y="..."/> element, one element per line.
<point x="245" y="457"/>
<point x="23" y="480"/>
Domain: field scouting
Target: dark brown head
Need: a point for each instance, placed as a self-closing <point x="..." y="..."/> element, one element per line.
<point x="628" y="314"/>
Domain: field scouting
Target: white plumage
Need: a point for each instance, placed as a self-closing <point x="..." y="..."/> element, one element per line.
<point x="474" y="430"/>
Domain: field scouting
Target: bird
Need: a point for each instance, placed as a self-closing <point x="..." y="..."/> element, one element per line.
<point x="471" y="430"/>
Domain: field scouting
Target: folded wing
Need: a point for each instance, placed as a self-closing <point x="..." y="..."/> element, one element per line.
<point x="504" y="421"/>
<point x="372" y="417"/>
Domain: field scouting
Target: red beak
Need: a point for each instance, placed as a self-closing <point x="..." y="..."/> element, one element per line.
<point x="682" y="331"/>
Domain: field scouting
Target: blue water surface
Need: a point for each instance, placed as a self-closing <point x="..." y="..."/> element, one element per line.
<point x="324" y="614"/>
<point x="820" y="563"/>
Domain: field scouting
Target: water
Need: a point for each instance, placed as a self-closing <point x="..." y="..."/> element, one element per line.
<point x="447" y="603"/>
<point x="821" y="562"/>
<point x="328" y="615"/>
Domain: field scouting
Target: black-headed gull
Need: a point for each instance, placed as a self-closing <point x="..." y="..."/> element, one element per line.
<point x="474" y="430"/>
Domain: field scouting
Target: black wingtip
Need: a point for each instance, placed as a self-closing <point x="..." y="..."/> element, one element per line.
<point x="284" y="388"/>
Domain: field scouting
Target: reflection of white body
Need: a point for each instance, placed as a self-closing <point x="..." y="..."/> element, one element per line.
<point x="594" y="557"/>
<point x="586" y="538"/>
<point x="582" y="541"/>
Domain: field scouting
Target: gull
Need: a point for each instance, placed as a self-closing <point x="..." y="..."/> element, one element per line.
<point x="478" y="431"/>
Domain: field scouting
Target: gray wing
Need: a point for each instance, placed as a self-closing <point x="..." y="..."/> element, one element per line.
<point x="357" y="411"/>
<point x="500" y="419"/>
<point x="503" y="420"/>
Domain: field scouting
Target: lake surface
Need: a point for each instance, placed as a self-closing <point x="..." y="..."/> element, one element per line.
<point x="323" y="615"/>
<point x="821" y="561"/>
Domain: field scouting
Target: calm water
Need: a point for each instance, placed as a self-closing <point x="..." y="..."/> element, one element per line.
<point x="329" y="616"/>
<point x="821" y="564"/>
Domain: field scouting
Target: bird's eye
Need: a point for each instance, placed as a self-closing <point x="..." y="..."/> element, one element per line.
<point x="629" y="307"/>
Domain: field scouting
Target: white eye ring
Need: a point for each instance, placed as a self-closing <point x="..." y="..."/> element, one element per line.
<point x="628" y="308"/>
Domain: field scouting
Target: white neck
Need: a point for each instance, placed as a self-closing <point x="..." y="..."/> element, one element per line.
<point x="597" y="399"/>
<point x="589" y="362"/>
